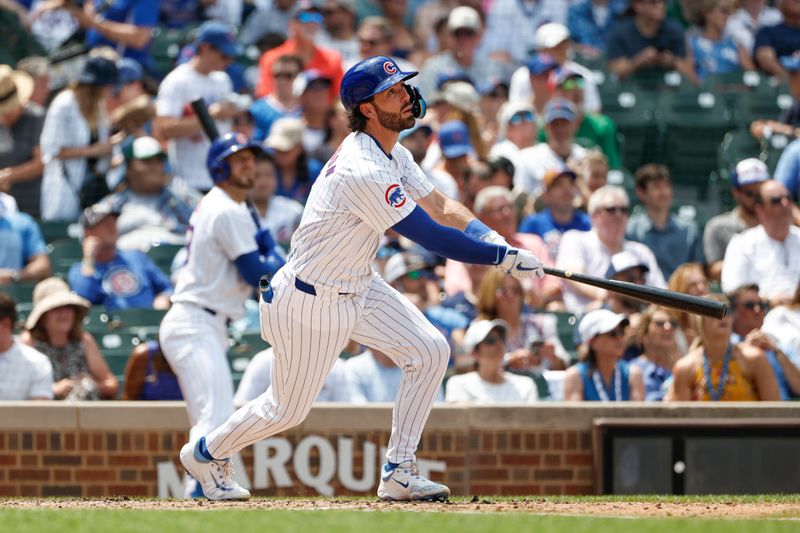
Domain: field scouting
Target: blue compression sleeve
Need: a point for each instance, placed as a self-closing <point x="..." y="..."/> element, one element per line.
<point x="254" y="265"/>
<point x="477" y="229"/>
<point x="448" y="242"/>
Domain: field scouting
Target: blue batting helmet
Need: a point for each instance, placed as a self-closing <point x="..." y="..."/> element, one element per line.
<point x="224" y="147"/>
<point x="370" y="77"/>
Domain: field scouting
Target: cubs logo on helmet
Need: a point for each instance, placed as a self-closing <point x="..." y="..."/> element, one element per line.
<point x="369" y="77"/>
<point x="395" y="196"/>
<point x="389" y="67"/>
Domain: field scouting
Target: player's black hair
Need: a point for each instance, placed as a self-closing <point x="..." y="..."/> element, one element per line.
<point x="8" y="308"/>
<point x="356" y="121"/>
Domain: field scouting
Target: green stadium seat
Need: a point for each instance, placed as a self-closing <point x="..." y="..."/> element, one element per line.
<point x="163" y="255"/>
<point x="244" y="348"/>
<point x="63" y="254"/>
<point x="566" y="325"/>
<point x="635" y="113"/>
<point x="56" y="231"/>
<point x="22" y="291"/>
<point x="97" y="321"/>
<point x="166" y="46"/>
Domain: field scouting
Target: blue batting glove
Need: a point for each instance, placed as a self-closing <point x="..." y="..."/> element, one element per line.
<point x="264" y="241"/>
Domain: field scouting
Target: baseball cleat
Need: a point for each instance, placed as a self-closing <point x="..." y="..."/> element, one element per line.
<point x="215" y="477"/>
<point x="403" y="483"/>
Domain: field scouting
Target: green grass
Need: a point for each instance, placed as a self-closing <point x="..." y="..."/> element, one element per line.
<point x="403" y="518"/>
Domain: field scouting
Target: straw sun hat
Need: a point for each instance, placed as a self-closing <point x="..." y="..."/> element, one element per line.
<point x="50" y="294"/>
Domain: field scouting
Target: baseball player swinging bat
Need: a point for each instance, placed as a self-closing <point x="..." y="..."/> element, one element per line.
<point x="653" y="295"/>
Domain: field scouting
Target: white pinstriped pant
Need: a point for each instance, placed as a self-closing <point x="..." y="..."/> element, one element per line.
<point x="194" y="343"/>
<point x="308" y="334"/>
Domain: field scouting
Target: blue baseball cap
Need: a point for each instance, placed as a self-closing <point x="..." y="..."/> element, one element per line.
<point x="99" y="71"/>
<point x="454" y="139"/>
<point x="541" y="64"/>
<point x="128" y="71"/>
<point x="220" y="36"/>
<point x="792" y="62"/>
<point x="306" y="12"/>
<point x="369" y="77"/>
<point x="415" y="128"/>
<point x="559" y="108"/>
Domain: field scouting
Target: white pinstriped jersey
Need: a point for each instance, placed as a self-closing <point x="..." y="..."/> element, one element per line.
<point x="220" y="230"/>
<point x="359" y="194"/>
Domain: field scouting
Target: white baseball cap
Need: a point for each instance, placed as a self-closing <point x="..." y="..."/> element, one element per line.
<point x="479" y="330"/>
<point x="401" y="264"/>
<point x="599" y="321"/>
<point x="550" y="35"/>
<point x="749" y="171"/>
<point x="464" y="17"/>
<point x="624" y="260"/>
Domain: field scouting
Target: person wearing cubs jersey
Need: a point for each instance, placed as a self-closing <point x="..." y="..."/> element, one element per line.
<point x="227" y="255"/>
<point x="328" y="292"/>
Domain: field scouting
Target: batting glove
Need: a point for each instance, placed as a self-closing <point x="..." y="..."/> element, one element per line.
<point x="522" y="264"/>
<point x="494" y="238"/>
<point x="264" y="241"/>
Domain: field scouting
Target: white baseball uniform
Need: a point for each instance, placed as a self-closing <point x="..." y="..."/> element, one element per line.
<point x="209" y="293"/>
<point x="329" y="293"/>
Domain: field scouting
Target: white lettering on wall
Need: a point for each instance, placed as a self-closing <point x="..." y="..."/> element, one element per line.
<point x="170" y="484"/>
<point x="346" y="466"/>
<point x="269" y="458"/>
<point x="327" y="464"/>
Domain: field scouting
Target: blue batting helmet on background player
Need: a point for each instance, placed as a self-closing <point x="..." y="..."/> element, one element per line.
<point x="224" y="147"/>
<point x="374" y="75"/>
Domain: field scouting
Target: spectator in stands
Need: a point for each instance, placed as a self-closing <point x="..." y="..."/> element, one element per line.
<point x="673" y="239"/>
<point x="202" y="76"/>
<point x="602" y="375"/>
<point x="709" y="49"/>
<point x="489" y="383"/>
<point x="129" y="84"/>
<point x="774" y="43"/>
<point x="559" y="214"/>
<point x="373" y="376"/>
<point x="560" y="117"/>
<point x="746" y="180"/>
<point x="552" y="44"/>
<point x="511" y="27"/>
<point x="782" y="324"/>
<point x="20" y="129"/>
<point x="117" y="279"/>
<point x="23" y="255"/>
<point x="646" y="40"/>
<point x="592" y="174"/>
<point x="595" y="130"/>
<point x="25" y="374"/>
<point x="716" y="369"/>
<point x="267" y="25"/>
<point x="257" y="379"/>
<point x="279" y="214"/>
<point x="748" y="312"/>
<point x="656" y="335"/>
<point x="148" y="376"/>
<point x="398" y="14"/>
<point x="465" y="28"/>
<point x="625" y="266"/>
<point x="768" y="254"/>
<point x="465" y="301"/>
<point x="281" y="102"/>
<point x="589" y="252"/>
<point x="494" y="207"/>
<point x="688" y="278"/>
<point x="296" y="170"/>
<point x="493" y="95"/>
<point x="55" y="328"/>
<point x="340" y="29"/>
<point x="517" y="130"/>
<point x="501" y="173"/>
<point x="124" y="25"/>
<point x="589" y="23"/>
<point x="502" y="297"/>
<point x="376" y="38"/>
<point x="38" y="68"/>
<point x="303" y="27"/>
<point x="745" y="22"/>
<point x="313" y="90"/>
<point x="459" y="100"/>
<point x="153" y="206"/>
<point x="788" y="122"/>
<point x="455" y="145"/>
<point x="76" y="145"/>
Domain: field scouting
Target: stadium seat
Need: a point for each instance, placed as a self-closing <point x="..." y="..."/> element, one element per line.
<point x="63" y="254"/>
<point x="56" y="231"/>
<point x="22" y="291"/>
<point x="635" y="113"/>
<point x="760" y="105"/>
<point x="163" y="255"/>
<point x="166" y="46"/>
<point x="567" y="325"/>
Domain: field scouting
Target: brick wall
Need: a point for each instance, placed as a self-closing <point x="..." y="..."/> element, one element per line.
<point x="92" y="450"/>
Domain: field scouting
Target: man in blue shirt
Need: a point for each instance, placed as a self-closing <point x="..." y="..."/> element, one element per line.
<point x="589" y="22"/>
<point x="281" y="102"/>
<point x="774" y="43"/>
<point x="23" y="255"/>
<point x="560" y="214"/>
<point x="118" y="279"/>
<point x="673" y="239"/>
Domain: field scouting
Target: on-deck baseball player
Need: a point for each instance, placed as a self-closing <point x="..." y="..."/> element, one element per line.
<point x="227" y="255"/>
<point x="328" y="292"/>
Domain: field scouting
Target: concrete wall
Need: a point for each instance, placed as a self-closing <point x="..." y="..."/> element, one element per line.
<point x="130" y="448"/>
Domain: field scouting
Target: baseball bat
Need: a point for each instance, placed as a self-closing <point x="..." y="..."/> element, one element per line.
<point x="201" y="110"/>
<point x="653" y="295"/>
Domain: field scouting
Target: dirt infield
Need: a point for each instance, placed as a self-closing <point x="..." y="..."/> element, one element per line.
<point x="717" y="509"/>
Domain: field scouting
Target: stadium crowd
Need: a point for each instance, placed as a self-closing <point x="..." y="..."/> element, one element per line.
<point x="102" y="162"/>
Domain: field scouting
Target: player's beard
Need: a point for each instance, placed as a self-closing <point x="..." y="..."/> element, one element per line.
<point x="394" y="121"/>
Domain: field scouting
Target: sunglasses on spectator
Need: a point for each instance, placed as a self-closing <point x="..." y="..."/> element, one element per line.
<point x="777" y="200"/>
<point x="415" y="275"/>
<point x="615" y="210"/>
<point x="369" y="42"/>
<point x="616" y="333"/>
<point x="516" y="291"/>
<point x="522" y="116"/>
<point x="752" y="306"/>
<point x="662" y="324"/>
<point x="572" y="83"/>
<point x="463" y="32"/>
<point x="284" y="75"/>
<point x="492" y="339"/>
